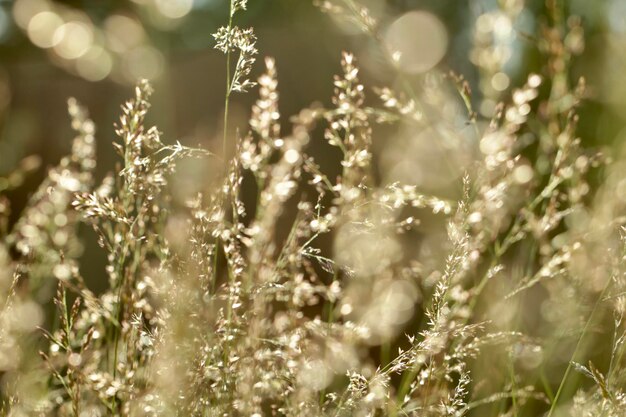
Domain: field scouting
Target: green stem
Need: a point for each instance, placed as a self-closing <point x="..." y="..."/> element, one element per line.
<point x="228" y="87"/>
<point x="577" y="348"/>
<point x="226" y="101"/>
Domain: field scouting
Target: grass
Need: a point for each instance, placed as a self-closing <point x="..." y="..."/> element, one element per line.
<point x="359" y="295"/>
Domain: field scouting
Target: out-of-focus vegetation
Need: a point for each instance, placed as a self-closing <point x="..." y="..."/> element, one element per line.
<point x="347" y="207"/>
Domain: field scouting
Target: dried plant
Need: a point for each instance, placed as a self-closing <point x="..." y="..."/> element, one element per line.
<point x="416" y="307"/>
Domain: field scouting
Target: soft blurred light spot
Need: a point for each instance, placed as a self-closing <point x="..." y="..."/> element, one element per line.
<point x="534" y="80"/>
<point x="74" y="359"/>
<point x="392" y="306"/>
<point x="475" y="217"/>
<point x="502" y="26"/>
<point x="487" y="107"/>
<point x="60" y="220"/>
<point x="143" y="62"/>
<point x="416" y="41"/>
<point x="502" y="312"/>
<point x="523" y="174"/>
<point x="292" y="156"/>
<point x="500" y="81"/>
<point x="95" y="65"/>
<point x="315" y="375"/>
<point x="123" y="33"/>
<point x="492" y="143"/>
<point x="174" y="9"/>
<point x="29" y="314"/>
<point x="62" y="272"/>
<point x="366" y="253"/>
<point x="524" y="109"/>
<point x="484" y="23"/>
<point x="346" y="308"/>
<point x="431" y="158"/>
<point x="73" y="40"/>
<point x="42" y="28"/>
<point x="24" y="10"/>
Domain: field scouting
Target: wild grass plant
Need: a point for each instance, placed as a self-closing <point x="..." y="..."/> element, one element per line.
<point x="501" y="294"/>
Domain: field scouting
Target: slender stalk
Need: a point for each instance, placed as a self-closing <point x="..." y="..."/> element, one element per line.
<point x="226" y="101"/>
<point x="228" y="87"/>
<point x="577" y="348"/>
<point x="224" y="138"/>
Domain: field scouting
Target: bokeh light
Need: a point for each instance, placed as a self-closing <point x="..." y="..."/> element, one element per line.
<point x="42" y="29"/>
<point x="117" y="48"/>
<point x="416" y="41"/>
<point x="143" y="62"/>
<point x="123" y="33"/>
<point x="174" y="9"/>
<point x="24" y="10"/>
<point x="73" y="40"/>
<point x="95" y="65"/>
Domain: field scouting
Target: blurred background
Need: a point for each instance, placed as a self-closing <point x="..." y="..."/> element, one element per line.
<point x="97" y="50"/>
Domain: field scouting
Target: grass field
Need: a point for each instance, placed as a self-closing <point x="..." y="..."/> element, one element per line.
<point x="431" y="245"/>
